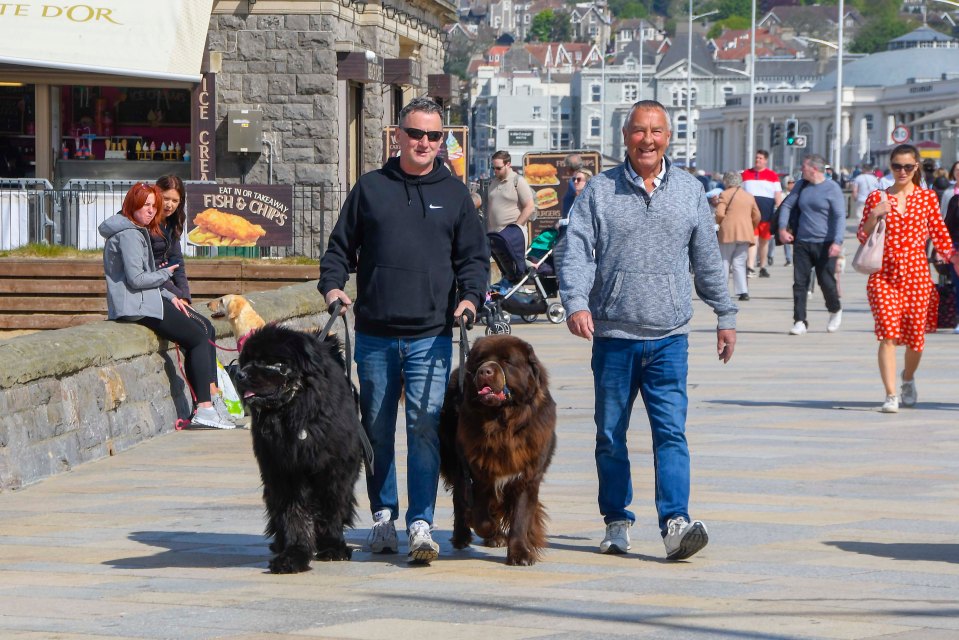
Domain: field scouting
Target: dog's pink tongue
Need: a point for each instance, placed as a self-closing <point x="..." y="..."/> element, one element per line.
<point x="248" y="394"/>
<point x="485" y="391"/>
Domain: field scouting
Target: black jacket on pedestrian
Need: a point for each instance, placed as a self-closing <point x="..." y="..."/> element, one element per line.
<point x="417" y="246"/>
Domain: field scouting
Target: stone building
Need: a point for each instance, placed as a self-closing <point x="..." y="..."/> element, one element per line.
<point x="328" y="77"/>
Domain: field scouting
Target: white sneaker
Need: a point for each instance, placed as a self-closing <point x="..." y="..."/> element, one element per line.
<point x="683" y="538"/>
<point x="221" y="409"/>
<point x="207" y="417"/>
<point x="422" y="548"/>
<point x="798" y="329"/>
<point x="891" y="405"/>
<point x="382" y="538"/>
<point x="835" y="319"/>
<point x="908" y="394"/>
<point x="956" y="330"/>
<point x="617" y="537"/>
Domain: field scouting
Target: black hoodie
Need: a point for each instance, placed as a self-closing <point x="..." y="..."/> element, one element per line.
<point x="414" y="242"/>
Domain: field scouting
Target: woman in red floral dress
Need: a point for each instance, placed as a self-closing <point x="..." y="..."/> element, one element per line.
<point x="901" y="294"/>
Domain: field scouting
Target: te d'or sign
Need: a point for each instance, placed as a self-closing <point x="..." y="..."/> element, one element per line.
<point x="242" y="215"/>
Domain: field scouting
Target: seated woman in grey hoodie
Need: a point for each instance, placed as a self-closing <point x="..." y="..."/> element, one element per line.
<point x="135" y="293"/>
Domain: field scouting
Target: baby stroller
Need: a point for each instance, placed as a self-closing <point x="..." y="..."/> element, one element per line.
<point x="522" y="270"/>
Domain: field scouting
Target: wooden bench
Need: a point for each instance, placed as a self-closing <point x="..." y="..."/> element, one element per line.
<point x="52" y="294"/>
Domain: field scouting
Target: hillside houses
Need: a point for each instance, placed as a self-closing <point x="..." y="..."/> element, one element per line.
<point x="554" y="96"/>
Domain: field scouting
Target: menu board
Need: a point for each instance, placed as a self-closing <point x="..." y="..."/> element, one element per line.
<point x="454" y="150"/>
<point x="548" y="176"/>
<point x="240" y="215"/>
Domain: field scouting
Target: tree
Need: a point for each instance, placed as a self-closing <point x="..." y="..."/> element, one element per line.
<point x="540" y="28"/>
<point x="550" y="26"/>
<point x="728" y="8"/>
<point x="879" y="30"/>
<point x="736" y="23"/>
<point x="562" y="28"/>
<point x="626" y="9"/>
<point x="461" y="49"/>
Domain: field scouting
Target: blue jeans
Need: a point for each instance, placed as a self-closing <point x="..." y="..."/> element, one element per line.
<point x="657" y="370"/>
<point x="383" y="364"/>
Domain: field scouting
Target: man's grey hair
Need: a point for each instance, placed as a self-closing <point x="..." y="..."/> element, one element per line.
<point x="815" y="161"/>
<point x="424" y="105"/>
<point x="574" y="162"/>
<point x="648" y="104"/>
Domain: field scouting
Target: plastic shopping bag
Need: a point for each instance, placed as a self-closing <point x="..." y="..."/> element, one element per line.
<point x="230" y="396"/>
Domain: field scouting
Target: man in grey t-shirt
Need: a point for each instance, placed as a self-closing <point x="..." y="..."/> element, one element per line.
<point x="816" y="234"/>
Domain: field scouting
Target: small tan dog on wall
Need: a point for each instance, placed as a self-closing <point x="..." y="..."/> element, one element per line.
<point x="239" y="313"/>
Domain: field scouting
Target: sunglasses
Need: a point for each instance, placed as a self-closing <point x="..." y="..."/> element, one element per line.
<point x="579" y="179"/>
<point x="495" y="168"/>
<point x="417" y="134"/>
<point x="902" y="167"/>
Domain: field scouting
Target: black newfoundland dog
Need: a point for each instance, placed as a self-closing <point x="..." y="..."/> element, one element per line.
<point x="497" y="438"/>
<point x="307" y="440"/>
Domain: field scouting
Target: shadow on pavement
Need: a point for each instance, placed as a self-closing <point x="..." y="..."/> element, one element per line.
<point x="196" y="549"/>
<point x="831" y="404"/>
<point x="662" y="624"/>
<point x="946" y="552"/>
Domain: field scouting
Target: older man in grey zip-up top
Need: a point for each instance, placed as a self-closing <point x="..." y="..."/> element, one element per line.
<point x="624" y="274"/>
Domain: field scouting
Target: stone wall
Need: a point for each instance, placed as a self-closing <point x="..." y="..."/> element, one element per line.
<point x="74" y="395"/>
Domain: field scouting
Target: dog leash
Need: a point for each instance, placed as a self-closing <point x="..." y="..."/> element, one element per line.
<point x="334" y="311"/>
<point x="464" y="324"/>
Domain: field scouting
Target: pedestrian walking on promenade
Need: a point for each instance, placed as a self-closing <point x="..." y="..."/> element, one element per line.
<point x="901" y="294"/>
<point x="509" y="200"/>
<point x="763" y="183"/>
<point x="411" y="233"/>
<point x="624" y="273"/>
<point x="817" y="242"/>
<point x="737" y="214"/>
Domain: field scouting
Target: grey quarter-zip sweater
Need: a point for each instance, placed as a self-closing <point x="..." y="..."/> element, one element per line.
<point x="626" y="256"/>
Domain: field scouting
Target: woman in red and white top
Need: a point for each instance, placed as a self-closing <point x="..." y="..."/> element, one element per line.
<point x="901" y="294"/>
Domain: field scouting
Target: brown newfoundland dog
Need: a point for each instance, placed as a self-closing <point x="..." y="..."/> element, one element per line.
<point x="497" y="437"/>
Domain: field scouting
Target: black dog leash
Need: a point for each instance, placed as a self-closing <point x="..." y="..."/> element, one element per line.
<point x="465" y="323"/>
<point x="334" y="311"/>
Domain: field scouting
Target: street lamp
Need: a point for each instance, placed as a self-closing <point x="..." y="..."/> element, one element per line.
<point x="837" y="125"/>
<point x="751" y="139"/>
<point x="689" y="78"/>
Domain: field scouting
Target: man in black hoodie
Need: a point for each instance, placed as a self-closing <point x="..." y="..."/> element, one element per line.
<point x="412" y="234"/>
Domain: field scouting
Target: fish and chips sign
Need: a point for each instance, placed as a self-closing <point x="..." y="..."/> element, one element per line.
<point x="240" y="215"/>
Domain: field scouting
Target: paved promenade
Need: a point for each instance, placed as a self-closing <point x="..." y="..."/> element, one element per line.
<point x="827" y="519"/>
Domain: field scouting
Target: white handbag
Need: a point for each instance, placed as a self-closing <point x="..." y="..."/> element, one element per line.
<point x="868" y="259"/>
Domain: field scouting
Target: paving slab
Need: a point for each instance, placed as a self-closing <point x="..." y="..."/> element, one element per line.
<point x="827" y="519"/>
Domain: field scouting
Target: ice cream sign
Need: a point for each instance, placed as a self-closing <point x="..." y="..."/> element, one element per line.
<point x="453" y="150"/>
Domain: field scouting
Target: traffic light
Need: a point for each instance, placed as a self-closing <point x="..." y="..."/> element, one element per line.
<point x="792" y="130"/>
<point x="775" y="135"/>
